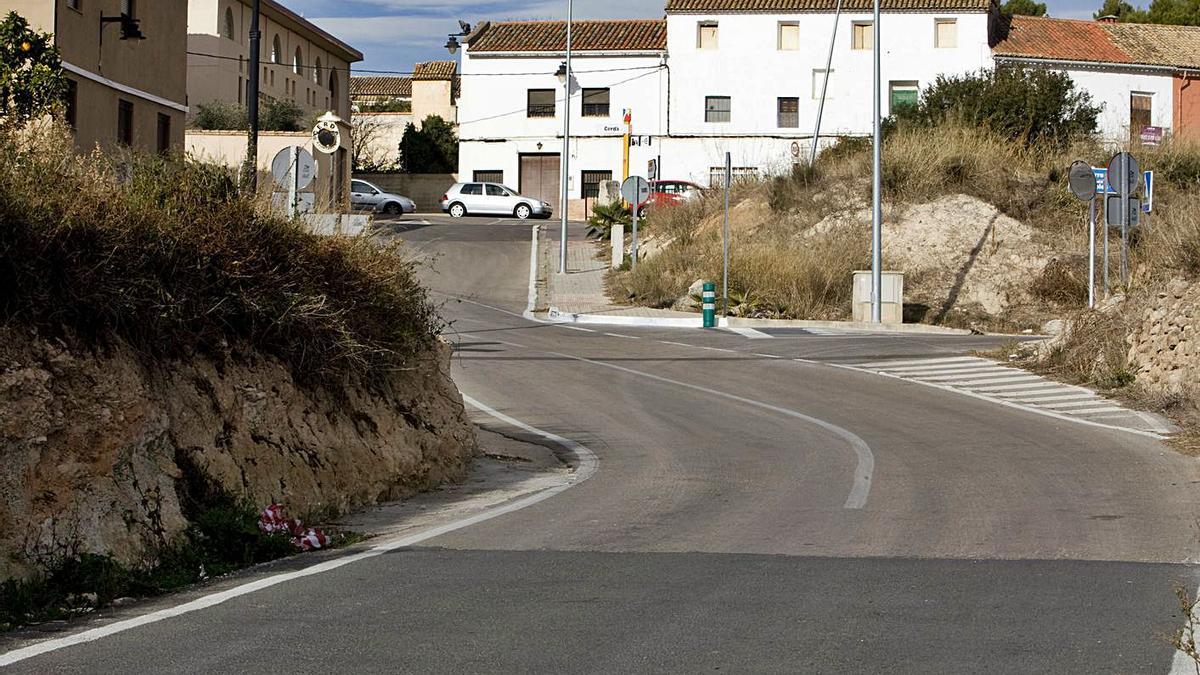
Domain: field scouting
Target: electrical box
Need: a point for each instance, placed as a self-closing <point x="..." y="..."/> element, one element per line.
<point x="891" y="295"/>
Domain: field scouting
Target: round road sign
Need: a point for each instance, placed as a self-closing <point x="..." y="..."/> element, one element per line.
<point x="281" y="168"/>
<point x="327" y="137"/>
<point x="1133" y="174"/>
<point x="635" y="190"/>
<point x="1082" y="180"/>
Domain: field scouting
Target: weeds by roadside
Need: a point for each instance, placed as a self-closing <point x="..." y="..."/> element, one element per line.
<point x="221" y="539"/>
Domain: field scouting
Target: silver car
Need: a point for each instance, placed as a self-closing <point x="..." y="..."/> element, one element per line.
<point x="369" y="197"/>
<point x="491" y="199"/>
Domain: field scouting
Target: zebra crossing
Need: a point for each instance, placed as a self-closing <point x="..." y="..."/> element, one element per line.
<point x="999" y="382"/>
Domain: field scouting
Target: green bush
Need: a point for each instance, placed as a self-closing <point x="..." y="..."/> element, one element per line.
<point x="604" y="216"/>
<point x="273" y="115"/>
<point x="431" y="149"/>
<point x="1029" y="105"/>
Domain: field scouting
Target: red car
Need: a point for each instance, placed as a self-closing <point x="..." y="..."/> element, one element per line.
<point x="668" y="193"/>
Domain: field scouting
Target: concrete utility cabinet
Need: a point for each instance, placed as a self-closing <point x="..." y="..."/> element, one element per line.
<point x="891" y="294"/>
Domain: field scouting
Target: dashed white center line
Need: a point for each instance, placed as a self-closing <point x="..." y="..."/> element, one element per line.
<point x="768" y="356"/>
<point x="627" y="337"/>
<point x="582" y="330"/>
<point x="677" y="344"/>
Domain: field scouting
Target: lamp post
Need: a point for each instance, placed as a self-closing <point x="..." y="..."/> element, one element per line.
<point x="564" y="75"/>
<point x="876" y="190"/>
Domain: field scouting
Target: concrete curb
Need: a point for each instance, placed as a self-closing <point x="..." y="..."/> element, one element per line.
<point x="557" y="316"/>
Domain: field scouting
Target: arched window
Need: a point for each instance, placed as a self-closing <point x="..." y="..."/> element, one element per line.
<point x="298" y="62"/>
<point x="317" y="72"/>
<point x="229" y="23"/>
<point x="276" y="51"/>
<point x="334" y="99"/>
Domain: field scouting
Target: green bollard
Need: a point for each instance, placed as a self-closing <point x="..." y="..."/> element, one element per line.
<point x="710" y="305"/>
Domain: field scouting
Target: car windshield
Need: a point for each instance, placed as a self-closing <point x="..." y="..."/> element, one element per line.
<point x="509" y="190"/>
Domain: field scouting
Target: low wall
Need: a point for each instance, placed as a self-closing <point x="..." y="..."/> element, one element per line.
<point x="1164" y="350"/>
<point x="426" y="189"/>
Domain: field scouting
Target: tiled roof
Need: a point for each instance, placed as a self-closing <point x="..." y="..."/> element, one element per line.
<point x="1090" y="41"/>
<point x="1059" y="39"/>
<point x="1158" y="45"/>
<point x="435" y="70"/>
<point x="751" y="6"/>
<point x="550" y="36"/>
<point x="397" y="87"/>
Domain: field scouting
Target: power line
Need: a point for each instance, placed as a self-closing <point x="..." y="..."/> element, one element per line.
<point x="351" y="71"/>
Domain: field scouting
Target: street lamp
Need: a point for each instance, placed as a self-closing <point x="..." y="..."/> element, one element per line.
<point x="877" y="188"/>
<point x="452" y="44"/>
<point x="564" y="76"/>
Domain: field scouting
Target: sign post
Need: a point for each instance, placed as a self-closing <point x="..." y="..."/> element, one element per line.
<point x="1082" y="181"/>
<point x="725" y="237"/>
<point x="293" y="168"/>
<point x="1126" y="177"/>
<point x="636" y="191"/>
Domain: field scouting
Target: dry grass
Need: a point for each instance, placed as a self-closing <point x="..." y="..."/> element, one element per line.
<point x="166" y="255"/>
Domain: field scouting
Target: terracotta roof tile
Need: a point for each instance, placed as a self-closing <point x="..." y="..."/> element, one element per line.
<point x="703" y="6"/>
<point x="550" y="36"/>
<point x="1090" y="41"/>
<point x="1158" y="45"/>
<point x="398" y="87"/>
<point x="435" y="70"/>
<point x="1060" y="39"/>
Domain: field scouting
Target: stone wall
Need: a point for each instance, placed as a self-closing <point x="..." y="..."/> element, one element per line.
<point x="426" y="189"/>
<point x="102" y="452"/>
<point x="1165" y="346"/>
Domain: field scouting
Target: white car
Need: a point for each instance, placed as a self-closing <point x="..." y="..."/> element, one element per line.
<point x="369" y="197"/>
<point x="491" y="199"/>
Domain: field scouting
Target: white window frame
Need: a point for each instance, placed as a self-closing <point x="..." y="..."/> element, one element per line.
<point x="779" y="36"/>
<point x="868" y="35"/>
<point x="938" y="22"/>
<point x="818" y="78"/>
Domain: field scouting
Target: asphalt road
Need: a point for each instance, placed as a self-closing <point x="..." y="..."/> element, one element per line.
<point x="750" y="513"/>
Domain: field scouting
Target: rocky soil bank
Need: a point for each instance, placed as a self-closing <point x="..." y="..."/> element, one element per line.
<point x="1165" y="344"/>
<point x="100" y="453"/>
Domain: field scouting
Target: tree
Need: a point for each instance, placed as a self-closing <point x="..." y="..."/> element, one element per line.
<point x="1023" y="8"/>
<point x="1125" y="12"/>
<point x="31" y="75"/>
<point x="273" y="115"/>
<point x="1029" y="105"/>
<point x="367" y="156"/>
<point x="431" y="149"/>
<point x="1176" y="12"/>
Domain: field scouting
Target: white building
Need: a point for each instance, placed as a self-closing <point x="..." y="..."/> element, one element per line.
<point x="510" y="113"/>
<point x="1141" y="75"/>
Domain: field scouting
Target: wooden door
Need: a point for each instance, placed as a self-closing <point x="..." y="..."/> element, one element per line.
<point x="540" y="178"/>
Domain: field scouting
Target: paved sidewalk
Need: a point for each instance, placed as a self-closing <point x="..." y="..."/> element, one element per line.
<point x="581" y="289"/>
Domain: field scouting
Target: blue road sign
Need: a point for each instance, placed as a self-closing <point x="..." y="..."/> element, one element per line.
<point x="1102" y="187"/>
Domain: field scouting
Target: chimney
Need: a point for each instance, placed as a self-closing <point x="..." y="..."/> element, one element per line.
<point x="1108" y="18"/>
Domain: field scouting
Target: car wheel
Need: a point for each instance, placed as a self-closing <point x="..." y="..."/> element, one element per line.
<point x="393" y="209"/>
<point x="457" y="210"/>
<point x="523" y="212"/>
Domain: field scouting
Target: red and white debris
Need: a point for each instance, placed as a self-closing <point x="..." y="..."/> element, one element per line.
<point x="272" y="521"/>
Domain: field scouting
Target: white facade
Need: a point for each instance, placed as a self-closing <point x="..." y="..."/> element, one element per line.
<point x="1113" y="88"/>
<point x="496" y="129"/>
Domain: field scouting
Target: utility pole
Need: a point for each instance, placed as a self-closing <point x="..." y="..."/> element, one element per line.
<point x="251" y="167"/>
<point x="566" y="155"/>
<point x="876" y="191"/>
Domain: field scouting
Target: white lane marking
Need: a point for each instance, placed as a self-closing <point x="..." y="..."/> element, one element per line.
<point x="627" y="337"/>
<point x="587" y="467"/>
<point x="750" y="333"/>
<point x="864" y="470"/>
<point x="973" y="374"/>
<point x="1065" y="406"/>
<point x="1101" y="409"/>
<point x="997" y="401"/>
<point x="768" y="356"/>
<point x="918" y="362"/>
<point x="677" y="344"/>
<point x="953" y="368"/>
<point x="469" y="336"/>
<point x="582" y="330"/>
<point x="1007" y="379"/>
<point x="1050" y="398"/>
<point x="531" y="301"/>
<point x="1012" y="389"/>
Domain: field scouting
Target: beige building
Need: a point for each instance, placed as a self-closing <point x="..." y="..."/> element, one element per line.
<point x="299" y="61"/>
<point x="433" y="89"/>
<point x="121" y="92"/>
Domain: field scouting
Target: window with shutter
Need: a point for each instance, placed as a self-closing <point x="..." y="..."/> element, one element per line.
<point x="945" y="33"/>
<point x="706" y="35"/>
<point x="789" y="113"/>
<point x="717" y="108"/>
<point x="789" y="36"/>
<point x="862" y="35"/>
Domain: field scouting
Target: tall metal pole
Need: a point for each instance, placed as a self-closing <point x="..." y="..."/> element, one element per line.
<point x="876" y="189"/>
<point x="1092" y="253"/>
<point x="1106" y="264"/>
<point x="1124" y="188"/>
<point x="725" y="236"/>
<point x="566" y="153"/>
<point x="251" y="168"/>
<point x="837" y="15"/>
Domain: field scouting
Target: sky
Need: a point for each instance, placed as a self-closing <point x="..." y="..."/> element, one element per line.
<point x="395" y="34"/>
